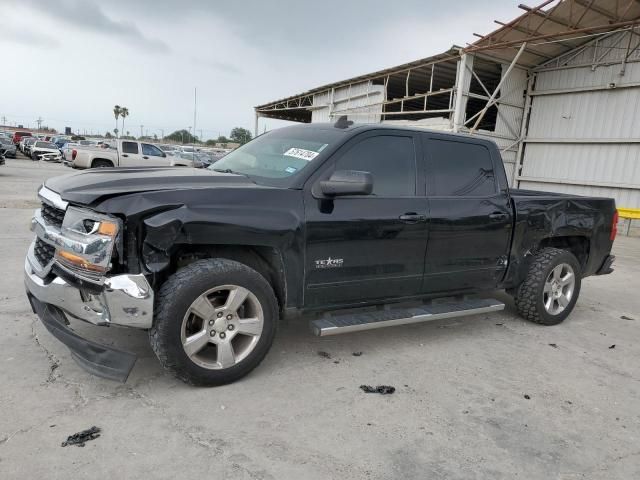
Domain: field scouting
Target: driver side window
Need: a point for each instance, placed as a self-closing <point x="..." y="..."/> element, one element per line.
<point x="390" y="159"/>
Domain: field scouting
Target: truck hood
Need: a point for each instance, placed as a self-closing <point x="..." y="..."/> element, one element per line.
<point x="90" y="186"/>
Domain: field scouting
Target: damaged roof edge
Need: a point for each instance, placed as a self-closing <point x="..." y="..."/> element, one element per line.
<point x="452" y="54"/>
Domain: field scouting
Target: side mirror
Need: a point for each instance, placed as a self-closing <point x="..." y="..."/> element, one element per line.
<point x="164" y="155"/>
<point x="347" y="182"/>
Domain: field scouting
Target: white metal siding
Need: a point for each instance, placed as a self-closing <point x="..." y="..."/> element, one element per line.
<point x="363" y="100"/>
<point x="587" y="142"/>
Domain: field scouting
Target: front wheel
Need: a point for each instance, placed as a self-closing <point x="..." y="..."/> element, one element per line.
<point x="215" y="322"/>
<point x="551" y="288"/>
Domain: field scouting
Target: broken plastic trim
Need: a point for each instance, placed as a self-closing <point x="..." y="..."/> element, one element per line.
<point x="100" y="360"/>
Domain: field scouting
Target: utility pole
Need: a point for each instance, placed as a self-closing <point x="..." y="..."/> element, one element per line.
<point x="195" y="105"/>
<point x="4" y="120"/>
<point x="39" y="122"/>
<point x="141" y="132"/>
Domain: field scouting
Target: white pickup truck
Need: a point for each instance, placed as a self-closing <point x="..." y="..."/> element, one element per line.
<point x="125" y="153"/>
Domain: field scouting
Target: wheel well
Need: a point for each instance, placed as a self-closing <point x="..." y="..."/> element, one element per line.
<point x="577" y="245"/>
<point x="95" y="160"/>
<point x="267" y="261"/>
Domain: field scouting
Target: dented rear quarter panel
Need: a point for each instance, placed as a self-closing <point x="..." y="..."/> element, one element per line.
<point x="542" y="215"/>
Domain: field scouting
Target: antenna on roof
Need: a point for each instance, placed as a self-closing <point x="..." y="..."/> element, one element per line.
<point x="343" y="122"/>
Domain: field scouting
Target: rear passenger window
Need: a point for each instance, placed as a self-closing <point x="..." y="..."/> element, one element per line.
<point x="390" y="160"/>
<point x="129" y="147"/>
<point x="459" y="169"/>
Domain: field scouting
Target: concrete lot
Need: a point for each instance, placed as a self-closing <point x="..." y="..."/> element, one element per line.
<point x="459" y="411"/>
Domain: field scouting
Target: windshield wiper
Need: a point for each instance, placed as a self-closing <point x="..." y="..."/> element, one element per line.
<point x="228" y="170"/>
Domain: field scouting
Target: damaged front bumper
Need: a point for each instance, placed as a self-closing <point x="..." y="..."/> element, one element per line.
<point x="125" y="300"/>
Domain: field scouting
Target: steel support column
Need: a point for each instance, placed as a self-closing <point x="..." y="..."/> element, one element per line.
<point x="463" y="81"/>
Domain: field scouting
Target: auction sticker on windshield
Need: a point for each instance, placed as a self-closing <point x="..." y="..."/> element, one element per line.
<point x="307" y="155"/>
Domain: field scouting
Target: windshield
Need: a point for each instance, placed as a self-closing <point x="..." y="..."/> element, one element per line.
<point x="45" y="145"/>
<point x="278" y="154"/>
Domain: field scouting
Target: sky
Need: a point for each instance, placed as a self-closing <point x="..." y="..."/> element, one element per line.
<point x="70" y="61"/>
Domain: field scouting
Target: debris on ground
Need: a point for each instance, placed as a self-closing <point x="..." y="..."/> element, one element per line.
<point x="527" y="396"/>
<point x="554" y="345"/>
<point x="357" y="354"/>
<point x="324" y="354"/>
<point x="568" y="402"/>
<point x="499" y="324"/>
<point x="381" y="389"/>
<point x="612" y="346"/>
<point x="336" y="361"/>
<point x="82" y="437"/>
<point x="624" y="317"/>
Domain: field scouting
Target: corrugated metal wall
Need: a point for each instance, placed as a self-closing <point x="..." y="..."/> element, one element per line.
<point x="587" y="142"/>
<point x="509" y="121"/>
<point x="362" y="100"/>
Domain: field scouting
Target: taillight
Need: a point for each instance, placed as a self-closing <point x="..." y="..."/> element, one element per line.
<point x="73" y="154"/>
<point x="614" y="226"/>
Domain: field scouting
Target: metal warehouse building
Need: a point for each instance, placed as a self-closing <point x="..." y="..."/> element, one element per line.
<point x="557" y="88"/>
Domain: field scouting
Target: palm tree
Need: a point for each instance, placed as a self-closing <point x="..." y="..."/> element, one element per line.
<point x="124" y="112"/>
<point x="116" y="113"/>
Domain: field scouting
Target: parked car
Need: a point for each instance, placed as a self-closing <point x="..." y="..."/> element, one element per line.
<point x="60" y="141"/>
<point x="199" y="160"/>
<point x="125" y="153"/>
<point x="8" y="148"/>
<point x="17" y="136"/>
<point x="169" y="149"/>
<point x="309" y="218"/>
<point x="47" y="151"/>
<point x="26" y="146"/>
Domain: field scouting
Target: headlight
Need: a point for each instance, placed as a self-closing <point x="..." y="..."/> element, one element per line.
<point x="88" y="242"/>
<point x="86" y="222"/>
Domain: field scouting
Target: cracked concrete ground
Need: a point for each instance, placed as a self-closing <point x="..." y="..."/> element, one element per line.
<point x="459" y="411"/>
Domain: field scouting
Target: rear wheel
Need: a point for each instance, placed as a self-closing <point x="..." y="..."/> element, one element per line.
<point x="101" y="164"/>
<point x="551" y="289"/>
<point x="219" y="327"/>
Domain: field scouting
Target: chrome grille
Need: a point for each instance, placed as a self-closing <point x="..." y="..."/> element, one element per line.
<point x="43" y="252"/>
<point x="52" y="215"/>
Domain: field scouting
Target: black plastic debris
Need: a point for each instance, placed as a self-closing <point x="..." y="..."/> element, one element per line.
<point x="612" y="346"/>
<point x="499" y="324"/>
<point x="527" y="396"/>
<point x="554" y="345"/>
<point x="324" y="354"/>
<point x="624" y="317"/>
<point x="381" y="389"/>
<point x="82" y="437"/>
<point x="357" y="354"/>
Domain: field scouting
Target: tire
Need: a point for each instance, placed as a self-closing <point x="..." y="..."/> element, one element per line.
<point x="175" y="315"/>
<point x="34" y="157"/>
<point x="101" y="164"/>
<point x="536" y="297"/>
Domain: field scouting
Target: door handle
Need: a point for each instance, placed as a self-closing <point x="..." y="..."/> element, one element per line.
<point x="498" y="216"/>
<point x="125" y="155"/>
<point x="145" y="157"/>
<point x="412" y="217"/>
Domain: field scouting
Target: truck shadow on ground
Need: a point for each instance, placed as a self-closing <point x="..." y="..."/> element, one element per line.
<point x="296" y="345"/>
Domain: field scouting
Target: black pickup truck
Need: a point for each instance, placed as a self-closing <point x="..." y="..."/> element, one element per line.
<point x="353" y="226"/>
